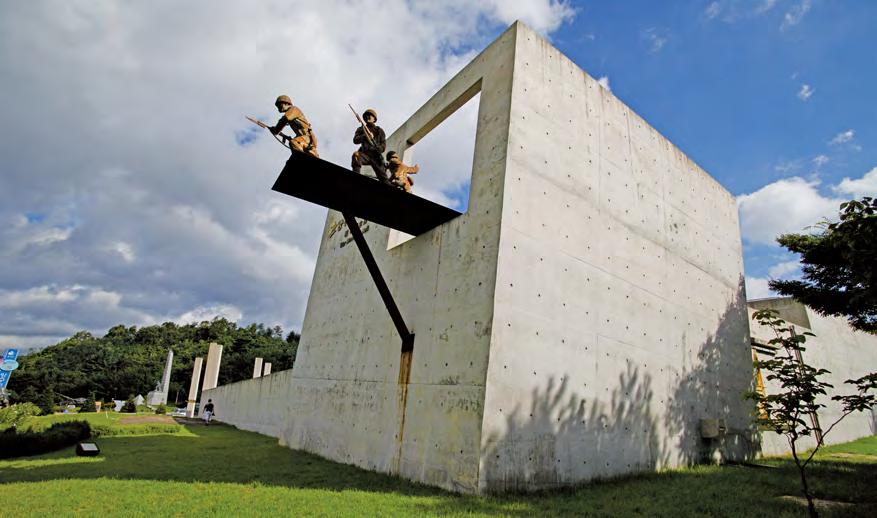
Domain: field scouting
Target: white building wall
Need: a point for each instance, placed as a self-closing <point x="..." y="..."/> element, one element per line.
<point x="843" y="351"/>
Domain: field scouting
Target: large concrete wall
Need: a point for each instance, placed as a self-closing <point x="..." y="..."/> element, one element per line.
<point x="258" y="405"/>
<point x="844" y="352"/>
<point x="578" y="321"/>
<point x="619" y="316"/>
<point x="348" y="403"/>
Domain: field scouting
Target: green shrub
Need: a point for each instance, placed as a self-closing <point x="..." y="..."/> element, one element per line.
<point x="14" y="415"/>
<point x="57" y="436"/>
<point x="161" y="409"/>
<point x="129" y="407"/>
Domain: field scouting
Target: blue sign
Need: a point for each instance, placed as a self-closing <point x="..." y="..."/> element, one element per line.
<point x="8" y="361"/>
<point x="8" y="365"/>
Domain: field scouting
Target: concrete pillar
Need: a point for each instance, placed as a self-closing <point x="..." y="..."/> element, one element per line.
<point x="267" y="369"/>
<point x="211" y="372"/>
<point x="257" y="368"/>
<point x="166" y="379"/>
<point x="193" y="388"/>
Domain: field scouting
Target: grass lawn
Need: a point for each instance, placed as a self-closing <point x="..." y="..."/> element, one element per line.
<point x="222" y="471"/>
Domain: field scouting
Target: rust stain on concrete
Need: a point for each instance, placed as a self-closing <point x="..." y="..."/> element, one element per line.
<point x="404" y="377"/>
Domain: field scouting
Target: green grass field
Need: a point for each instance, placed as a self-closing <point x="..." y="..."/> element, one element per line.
<point x="222" y="471"/>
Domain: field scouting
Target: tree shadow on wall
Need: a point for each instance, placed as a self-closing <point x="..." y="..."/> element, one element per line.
<point x="568" y="434"/>
<point x="711" y="385"/>
<point x="562" y="437"/>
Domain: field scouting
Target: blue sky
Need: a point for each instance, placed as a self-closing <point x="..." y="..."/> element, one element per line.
<point x="132" y="189"/>
<point x="726" y="92"/>
<point x="754" y="91"/>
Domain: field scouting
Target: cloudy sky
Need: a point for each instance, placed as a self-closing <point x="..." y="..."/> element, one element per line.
<point x="133" y="191"/>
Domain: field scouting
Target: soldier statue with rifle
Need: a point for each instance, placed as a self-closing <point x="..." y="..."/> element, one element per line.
<point x="372" y="143"/>
<point x="305" y="140"/>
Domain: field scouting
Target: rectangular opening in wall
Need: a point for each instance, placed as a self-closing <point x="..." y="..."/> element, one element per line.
<point x="444" y="150"/>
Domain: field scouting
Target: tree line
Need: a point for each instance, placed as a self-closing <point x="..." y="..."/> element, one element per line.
<point x="130" y="360"/>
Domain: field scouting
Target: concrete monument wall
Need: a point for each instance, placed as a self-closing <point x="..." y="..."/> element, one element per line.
<point x="845" y="352"/>
<point x="577" y="322"/>
<point x="619" y="315"/>
<point x="258" y="404"/>
<point x="348" y="404"/>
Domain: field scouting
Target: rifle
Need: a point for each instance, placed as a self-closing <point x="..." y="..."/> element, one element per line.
<point x="368" y="134"/>
<point x="283" y="138"/>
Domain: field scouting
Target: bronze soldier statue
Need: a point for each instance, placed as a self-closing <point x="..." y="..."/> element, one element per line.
<point x="305" y="140"/>
<point x="372" y="143"/>
<point x="400" y="171"/>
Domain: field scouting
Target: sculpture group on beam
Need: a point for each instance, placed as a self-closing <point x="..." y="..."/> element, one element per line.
<point x="371" y="139"/>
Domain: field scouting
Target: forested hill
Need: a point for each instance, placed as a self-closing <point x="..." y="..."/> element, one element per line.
<point x="129" y="361"/>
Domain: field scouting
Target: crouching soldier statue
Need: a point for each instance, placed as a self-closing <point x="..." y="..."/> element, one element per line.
<point x="400" y="171"/>
<point x="372" y="143"/>
<point x="305" y="140"/>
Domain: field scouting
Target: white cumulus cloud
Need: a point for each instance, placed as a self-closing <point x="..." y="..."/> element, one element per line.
<point x="864" y="186"/>
<point x="765" y="6"/>
<point x="805" y="92"/>
<point x="156" y="202"/>
<point x="784" y="268"/>
<point x="787" y="205"/>
<point x="843" y="137"/>
<point x="202" y="313"/>
<point x="756" y="288"/>
<point x="793" y="204"/>
<point x="712" y="10"/>
<point x="796" y="14"/>
<point x="656" y="38"/>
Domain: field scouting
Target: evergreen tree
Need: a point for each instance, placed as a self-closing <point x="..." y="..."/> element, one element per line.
<point x="840" y="277"/>
<point x="46" y="401"/>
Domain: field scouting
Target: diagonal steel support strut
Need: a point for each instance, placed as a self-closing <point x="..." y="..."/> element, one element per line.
<point x="383" y="289"/>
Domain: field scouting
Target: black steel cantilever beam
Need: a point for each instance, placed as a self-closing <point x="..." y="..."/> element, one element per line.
<point x="356" y="196"/>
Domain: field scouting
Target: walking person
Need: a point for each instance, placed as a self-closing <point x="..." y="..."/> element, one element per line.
<point x="208" y="412"/>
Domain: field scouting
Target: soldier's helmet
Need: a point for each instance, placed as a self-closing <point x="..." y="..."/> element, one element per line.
<point x="372" y="113"/>
<point x="282" y="99"/>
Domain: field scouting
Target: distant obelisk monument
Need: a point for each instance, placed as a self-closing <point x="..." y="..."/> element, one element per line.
<point x="159" y="396"/>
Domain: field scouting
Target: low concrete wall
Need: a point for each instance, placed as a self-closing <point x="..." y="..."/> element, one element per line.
<point x="846" y="353"/>
<point x="258" y="405"/>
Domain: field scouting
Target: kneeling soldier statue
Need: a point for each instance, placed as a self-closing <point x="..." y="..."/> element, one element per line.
<point x="372" y="143"/>
<point x="305" y="140"/>
<point x="401" y="171"/>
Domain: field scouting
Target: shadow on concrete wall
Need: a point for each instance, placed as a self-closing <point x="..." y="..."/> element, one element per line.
<point x="560" y="437"/>
<point x="564" y="437"/>
<point x="712" y="385"/>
